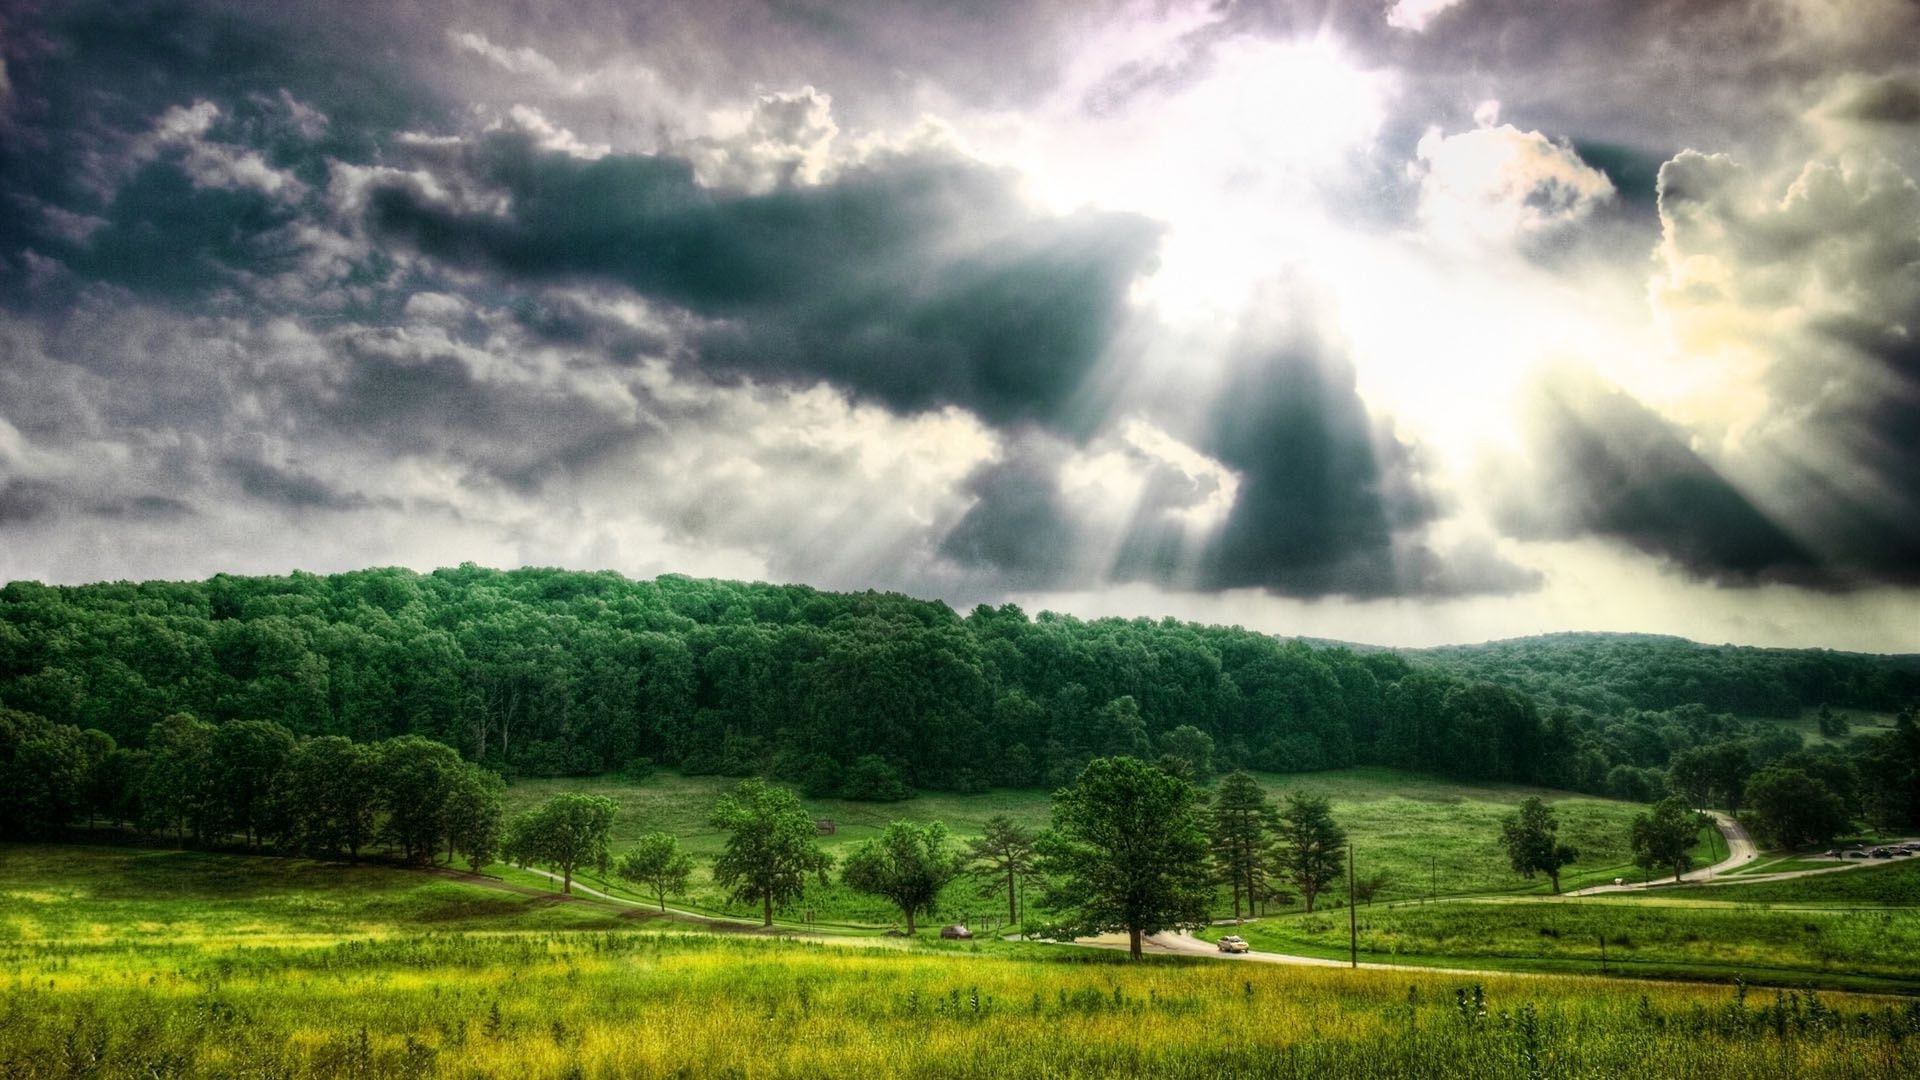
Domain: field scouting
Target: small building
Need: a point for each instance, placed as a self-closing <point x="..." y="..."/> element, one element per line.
<point x="956" y="932"/>
<point x="825" y="826"/>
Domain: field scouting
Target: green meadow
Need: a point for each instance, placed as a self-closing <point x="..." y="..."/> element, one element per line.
<point x="1713" y="936"/>
<point x="139" y="964"/>
<point x="1423" y="833"/>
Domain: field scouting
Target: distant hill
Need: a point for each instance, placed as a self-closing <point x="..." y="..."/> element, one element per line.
<point x="1609" y="673"/>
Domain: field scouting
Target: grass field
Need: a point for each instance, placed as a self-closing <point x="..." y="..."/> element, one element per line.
<point x="1890" y="884"/>
<point x="1684" y="934"/>
<point x="1858" y="723"/>
<point x="1425" y="834"/>
<point x="248" y="979"/>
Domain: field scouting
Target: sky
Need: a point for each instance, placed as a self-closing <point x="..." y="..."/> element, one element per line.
<point x="1395" y="321"/>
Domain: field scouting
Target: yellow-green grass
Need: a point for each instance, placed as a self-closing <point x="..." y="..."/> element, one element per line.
<point x="296" y="1000"/>
<point x="1422" y="832"/>
<point x="1679" y="935"/>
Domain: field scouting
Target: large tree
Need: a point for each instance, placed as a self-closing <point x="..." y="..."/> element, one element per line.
<point x="771" y="848"/>
<point x="1242" y="820"/>
<point x="416" y="776"/>
<point x="247" y="758"/>
<point x="1793" y="809"/>
<point x="1001" y="855"/>
<point x="657" y="863"/>
<point x="567" y="832"/>
<point x="1663" y="837"/>
<point x="472" y="814"/>
<point x="1127" y="851"/>
<point x="908" y="864"/>
<point x="1532" y="838"/>
<point x="330" y="791"/>
<point x="1312" y="847"/>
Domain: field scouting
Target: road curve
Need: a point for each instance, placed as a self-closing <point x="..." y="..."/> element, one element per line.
<point x="1740" y="851"/>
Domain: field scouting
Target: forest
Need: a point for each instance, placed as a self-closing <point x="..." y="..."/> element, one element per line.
<point x="870" y="695"/>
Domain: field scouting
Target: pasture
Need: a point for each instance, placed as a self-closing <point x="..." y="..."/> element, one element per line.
<point x="242" y="969"/>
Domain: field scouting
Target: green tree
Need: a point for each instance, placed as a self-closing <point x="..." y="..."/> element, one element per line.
<point x="1193" y="746"/>
<point x="908" y="864"/>
<point x="657" y="863"/>
<point x="1241" y="821"/>
<point x="247" y="758"/>
<point x="771" y="846"/>
<point x="1001" y="855"/>
<point x="1127" y="851"/>
<point x="1312" y="848"/>
<point x="472" y="815"/>
<point x="416" y="776"/>
<point x="178" y="787"/>
<point x="330" y="791"/>
<point x="1532" y="839"/>
<point x="1662" y="837"/>
<point x="566" y="832"/>
<point x="1793" y="809"/>
<point x="43" y="774"/>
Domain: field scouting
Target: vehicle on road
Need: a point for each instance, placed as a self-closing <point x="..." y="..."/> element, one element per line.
<point x="1233" y="943"/>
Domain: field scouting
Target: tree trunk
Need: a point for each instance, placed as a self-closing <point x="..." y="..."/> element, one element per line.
<point x="1236" y="897"/>
<point x="766" y="899"/>
<point x="1133" y="942"/>
<point x="566" y="880"/>
<point x="1308" y="893"/>
<point x="1554" y="877"/>
<point x="910" y="926"/>
<point x="662" y="895"/>
<point x="1013" y="914"/>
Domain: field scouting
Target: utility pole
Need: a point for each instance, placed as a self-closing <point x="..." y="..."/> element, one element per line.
<point x="1353" y="916"/>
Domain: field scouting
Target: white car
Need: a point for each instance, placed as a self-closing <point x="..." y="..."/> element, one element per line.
<point x="1233" y="943"/>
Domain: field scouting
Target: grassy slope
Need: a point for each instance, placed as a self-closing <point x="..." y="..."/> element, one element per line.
<point x="154" y="897"/>
<point x="1398" y="823"/>
<point x="264" y="968"/>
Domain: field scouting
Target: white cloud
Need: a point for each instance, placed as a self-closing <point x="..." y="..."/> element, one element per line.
<point x="783" y="139"/>
<point x="1502" y="184"/>
<point x="1414" y="15"/>
<point x="524" y="60"/>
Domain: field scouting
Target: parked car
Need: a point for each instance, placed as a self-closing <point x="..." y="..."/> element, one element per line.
<point x="1856" y="854"/>
<point x="1233" y="943"/>
<point x="1881" y="853"/>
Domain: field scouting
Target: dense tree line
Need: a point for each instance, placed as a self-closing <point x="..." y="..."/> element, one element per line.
<point x="868" y="695"/>
<point x="1611" y="674"/>
<point x="861" y="695"/>
<point x="251" y="783"/>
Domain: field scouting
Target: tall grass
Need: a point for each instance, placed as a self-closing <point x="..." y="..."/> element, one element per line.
<point x="622" y="1004"/>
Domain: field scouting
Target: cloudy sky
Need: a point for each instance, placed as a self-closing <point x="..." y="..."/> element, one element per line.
<point x="1405" y="322"/>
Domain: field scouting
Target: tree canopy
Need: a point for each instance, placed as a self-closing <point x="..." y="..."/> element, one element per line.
<point x="1127" y="851"/>
<point x="1532" y="839"/>
<point x="771" y="848"/>
<point x="909" y="864"/>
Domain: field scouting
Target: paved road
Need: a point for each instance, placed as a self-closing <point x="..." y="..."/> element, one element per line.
<point x="1740" y="852"/>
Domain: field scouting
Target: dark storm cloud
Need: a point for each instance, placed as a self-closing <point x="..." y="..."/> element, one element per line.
<point x="91" y="183"/>
<point x="1019" y="526"/>
<point x="1821" y="282"/>
<point x="916" y="280"/>
<point x="1890" y="99"/>
<point x="1604" y="464"/>
<point x="289" y="486"/>
<point x="24" y="500"/>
